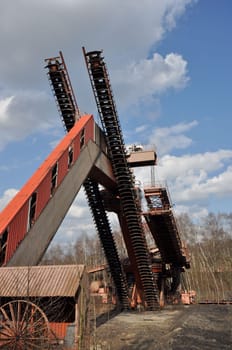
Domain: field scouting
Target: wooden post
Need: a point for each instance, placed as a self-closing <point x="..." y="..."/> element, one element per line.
<point x="76" y="330"/>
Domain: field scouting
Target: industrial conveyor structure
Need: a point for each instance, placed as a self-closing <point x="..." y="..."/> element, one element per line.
<point x="91" y="156"/>
<point x="62" y="90"/>
<point x="66" y="102"/>
<point x="31" y="219"/>
<point x="163" y="227"/>
<point x="130" y="216"/>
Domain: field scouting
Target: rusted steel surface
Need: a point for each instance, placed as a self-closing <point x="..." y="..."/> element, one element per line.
<point x="163" y="226"/>
<point x="157" y="198"/>
<point x="23" y="325"/>
<point x="97" y="268"/>
<point x="58" y="330"/>
<point x="41" y="281"/>
<point x="63" y="91"/>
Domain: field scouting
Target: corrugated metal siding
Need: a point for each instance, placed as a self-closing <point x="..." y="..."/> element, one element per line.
<point x="14" y="217"/>
<point x="21" y="197"/>
<point x="16" y="230"/>
<point x="62" y="167"/>
<point x="40" y="281"/>
<point x="59" y="329"/>
<point x="43" y="194"/>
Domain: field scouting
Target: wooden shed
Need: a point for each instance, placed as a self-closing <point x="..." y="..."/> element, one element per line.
<point x="44" y="306"/>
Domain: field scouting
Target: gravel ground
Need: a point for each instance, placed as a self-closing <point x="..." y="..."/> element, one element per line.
<point x="174" y="328"/>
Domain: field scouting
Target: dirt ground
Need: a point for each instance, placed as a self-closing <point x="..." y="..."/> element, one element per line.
<point x="173" y="328"/>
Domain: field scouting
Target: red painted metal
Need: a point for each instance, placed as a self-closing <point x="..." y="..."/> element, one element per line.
<point x="17" y="229"/>
<point x="15" y="217"/>
<point x="76" y="149"/>
<point x="43" y="194"/>
<point x="62" y="167"/>
<point x="59" y="330"/>
<point x="161" y="221"/>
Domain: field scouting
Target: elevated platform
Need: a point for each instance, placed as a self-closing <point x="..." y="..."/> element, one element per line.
<point x="142" y="158"/>
<point x="163" y="227"/>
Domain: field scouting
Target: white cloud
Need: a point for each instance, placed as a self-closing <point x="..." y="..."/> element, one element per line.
<point x="4" y="106"/>
<point x="77" y="221"/>
<point x="195" y="212"/>
<point x="168" y="138"/>
<point x="7" y="196"/>
<point x="175" y="11"/>
<point x="77" y="211"/>
<point x="150" y="77"/>
<point x="196" y="178"/>
<point x="174" y="166"/>
<point x="141" y="128"/>
<point x="36" y="30"/>
<point x="219" y="185"/>
<point x="24" y="114"/>
<point x="193" y="180"/>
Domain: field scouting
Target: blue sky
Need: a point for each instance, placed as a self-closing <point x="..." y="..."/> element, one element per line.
<point x="203" y="38"/>
<point x="170" y="68"/>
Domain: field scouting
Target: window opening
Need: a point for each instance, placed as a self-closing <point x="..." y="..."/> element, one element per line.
<point x="82" y="139"/>
<point x="54" y="178"/>
<point x="32" y="210"/>
<point x="70" y="157"/>
<point x="3" y="246"/>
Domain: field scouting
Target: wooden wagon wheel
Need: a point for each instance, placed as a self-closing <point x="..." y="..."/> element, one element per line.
<point x="23" y="326"/>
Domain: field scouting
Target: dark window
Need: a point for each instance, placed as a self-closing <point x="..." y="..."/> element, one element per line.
<point x="70" y="157"/>
<point x="82" y="139"/>
<point x="54" y="178"/>
<point x="32" y="209"/>
<point x="3" y="245"/>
